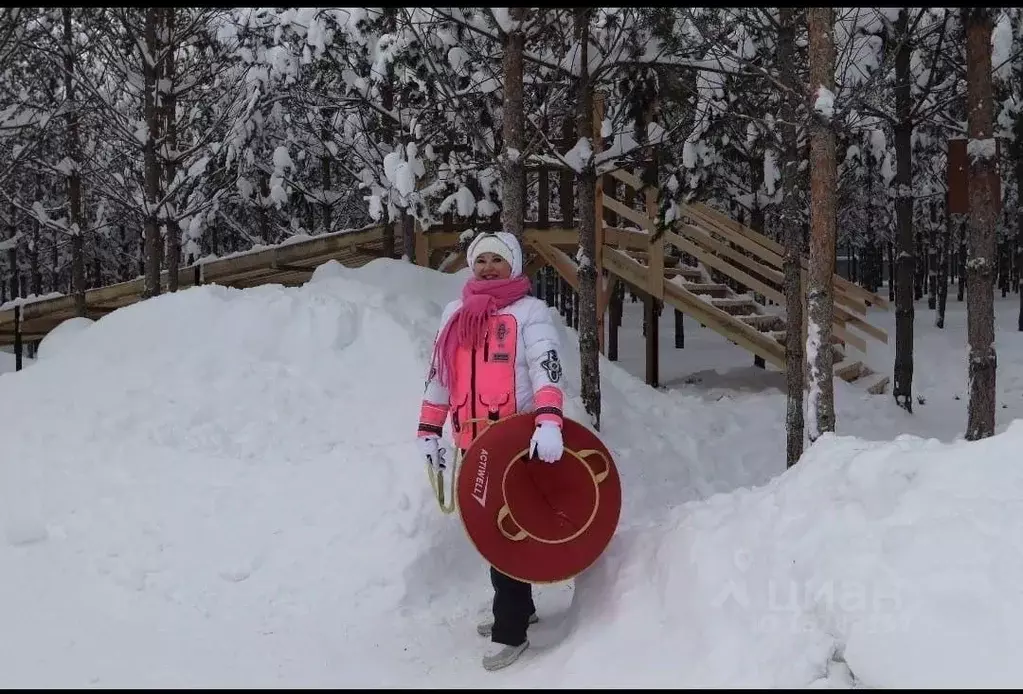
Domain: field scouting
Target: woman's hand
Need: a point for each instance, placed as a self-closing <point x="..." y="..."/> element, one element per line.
<point x="431" y="450"/>
<point x="547" y="442"/>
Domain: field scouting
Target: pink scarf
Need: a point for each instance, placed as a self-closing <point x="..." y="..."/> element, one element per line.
<point x="468" y="325"/>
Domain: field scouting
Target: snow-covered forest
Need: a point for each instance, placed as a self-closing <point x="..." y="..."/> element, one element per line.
<point x="214" y="478"/>
<point x="136" y="140"/>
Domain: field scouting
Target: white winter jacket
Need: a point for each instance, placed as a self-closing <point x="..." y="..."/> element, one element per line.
<point x="538" y="371"/>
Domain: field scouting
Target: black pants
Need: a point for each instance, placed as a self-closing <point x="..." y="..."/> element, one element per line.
<point x="513" y="605"/>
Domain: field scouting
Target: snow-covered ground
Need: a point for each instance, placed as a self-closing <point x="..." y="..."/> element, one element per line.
<point x="220" y="488"/>
<point x="711" y="366"/>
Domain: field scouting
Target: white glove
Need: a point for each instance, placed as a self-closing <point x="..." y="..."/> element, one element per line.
<point x="547" y="442"/>
<point x="432" y="451"/>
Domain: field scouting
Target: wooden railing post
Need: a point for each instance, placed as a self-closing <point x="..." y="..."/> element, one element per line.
<point x="422" y="246"/>
<point x="17" y="338"/>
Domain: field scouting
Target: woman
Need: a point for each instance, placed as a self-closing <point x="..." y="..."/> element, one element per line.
<point x="496" y="355"/>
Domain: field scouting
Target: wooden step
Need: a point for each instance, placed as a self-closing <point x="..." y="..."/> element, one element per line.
<point x="764" y="322"/>
<point x="875" y="383"/>
<point x="736" y="306"/>
<point x="848" y="370"/>
<point x="642" y="257"/>
<point x="690" y="274"/>
<point x="718" y="291"/>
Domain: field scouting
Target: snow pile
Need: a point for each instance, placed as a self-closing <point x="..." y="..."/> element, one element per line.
<point x="62" y="338"/>
<point x="878" y="564"/>
<point x="220" y="488"/>
<point x="7" y="362"/>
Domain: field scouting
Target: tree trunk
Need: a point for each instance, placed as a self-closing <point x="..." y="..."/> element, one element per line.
<point x="1019" y="263"/>
<point x="756" y="223"/>
<point x="952" y="221"/>
<point x="408" y="235"/>
<point x="820" y="295"/>
<point x="980" y="267"/>
<point x="890" y="248"/>
<point x="170" y="147"/>
<point x="12" y="253"/>
<point x="1017" y="146"/>
<point x="961" y="266"/>
<point x="513" y="199"/>
<point x="326" y="133"/>
<point x="932" y="257"/>
<point x="794" y="357"/>
<point x="589" y="343"/>
<point x="151" y="172"/>
<point x="905" y="263"/>
<point x="389" y="136"/>
<point x="264" y="205"/>
<point x="37" y="274"/>
<point x="74" y="179"/>
<point x="55" y="279"/>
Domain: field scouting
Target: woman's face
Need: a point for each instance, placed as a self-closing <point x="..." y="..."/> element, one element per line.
<point x="490" y="266"/>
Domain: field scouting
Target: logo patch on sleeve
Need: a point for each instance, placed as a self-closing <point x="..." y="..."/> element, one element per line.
<point x="552" y="365"/>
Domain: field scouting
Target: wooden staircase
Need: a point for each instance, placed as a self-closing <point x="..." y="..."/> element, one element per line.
<point x="718" y="247"/>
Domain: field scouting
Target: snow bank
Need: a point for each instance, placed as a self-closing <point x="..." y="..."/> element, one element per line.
<point x="7" y="362"/>
<point x="220" y="487"/>
<point x="877" y="564"/>
<point x="62" y="337"/>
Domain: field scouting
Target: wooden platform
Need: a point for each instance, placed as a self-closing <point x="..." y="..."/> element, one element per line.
<point x="291" y="263"/>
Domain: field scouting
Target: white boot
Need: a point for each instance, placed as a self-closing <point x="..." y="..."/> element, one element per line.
<point x="501" y="656"/>
<point x="486" y="627"/>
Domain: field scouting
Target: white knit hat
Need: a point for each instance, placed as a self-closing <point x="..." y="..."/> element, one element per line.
<point x="500" y="243"/>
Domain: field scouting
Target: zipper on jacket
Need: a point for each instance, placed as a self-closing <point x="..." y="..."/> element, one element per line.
<point x="472" y="393"/>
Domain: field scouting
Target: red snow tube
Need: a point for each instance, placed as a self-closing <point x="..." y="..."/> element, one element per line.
<point x="535" y="521"/>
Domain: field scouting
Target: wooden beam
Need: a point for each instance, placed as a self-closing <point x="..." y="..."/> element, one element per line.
<point x="325" y="245"/>
<point x="422" y="246"/>
<point x="605" y="299"/>
<point x="554" y="236"/>
<point x="214" y="271"/>
<point x="628" y="178"/>
<point x="454" y="262"/>
<point x="556" y="258"/>
<point x="534" y="265"/>
<point x="626" y="238"/>
<point x="638" y="218"/>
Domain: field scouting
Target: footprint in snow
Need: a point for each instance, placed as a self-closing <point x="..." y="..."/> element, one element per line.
<point x="240" y="570"/>
<point x="22" y="532"/>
